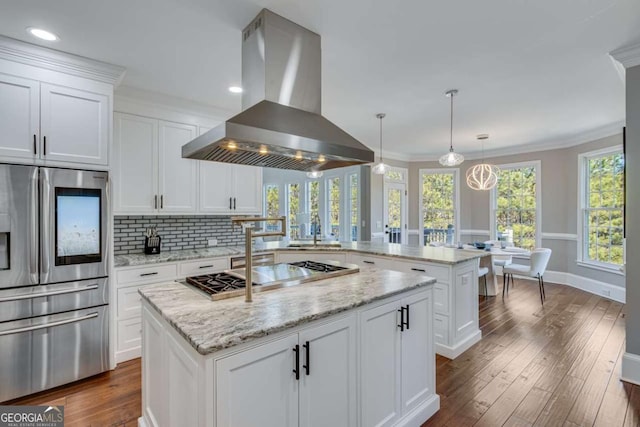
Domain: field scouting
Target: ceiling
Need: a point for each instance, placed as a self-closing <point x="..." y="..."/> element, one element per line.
<point x="528" y="72"/>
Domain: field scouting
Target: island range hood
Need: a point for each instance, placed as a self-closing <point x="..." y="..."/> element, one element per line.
<point x="280" y="125"/>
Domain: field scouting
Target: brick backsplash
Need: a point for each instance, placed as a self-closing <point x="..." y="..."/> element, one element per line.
<point x="177" y="232"/>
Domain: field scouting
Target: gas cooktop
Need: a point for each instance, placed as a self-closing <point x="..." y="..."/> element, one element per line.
<point x="231" y="283"/>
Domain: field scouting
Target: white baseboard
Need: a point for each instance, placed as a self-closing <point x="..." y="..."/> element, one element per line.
<point x="420" y="414"/>
<point x="596" y="287"/>
<point x="631" y="368"/>
<point x="461" y="347"/>
<point x="141" y="422"/>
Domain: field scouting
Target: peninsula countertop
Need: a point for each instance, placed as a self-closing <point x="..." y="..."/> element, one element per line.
<point x="442" y="255"/>
<point x="210" y="326"/>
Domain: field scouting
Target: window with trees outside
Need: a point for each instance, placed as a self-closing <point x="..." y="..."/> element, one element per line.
<point x="272" y="200"/>
<point x="293" y="209"/>
<point x="333" y="196"/>
<point x="353" y="205"/>
<point x="516" y="205"/>
<point x="313" y="192"/>
<point x="602" y="188"/>
<point x="439" y="205"/>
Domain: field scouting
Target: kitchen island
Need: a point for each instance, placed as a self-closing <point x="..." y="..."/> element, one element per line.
<point x="351" y="350"/>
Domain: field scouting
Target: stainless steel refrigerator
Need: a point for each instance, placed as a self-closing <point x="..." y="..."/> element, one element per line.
<point x="54" y="286"/>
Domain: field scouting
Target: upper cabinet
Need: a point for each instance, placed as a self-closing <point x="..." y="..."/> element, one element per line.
<point x="151" y="177"/>
<point x="55" y="108"/>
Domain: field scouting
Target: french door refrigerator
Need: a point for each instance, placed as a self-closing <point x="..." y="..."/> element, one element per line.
<point x="54" y="284"/>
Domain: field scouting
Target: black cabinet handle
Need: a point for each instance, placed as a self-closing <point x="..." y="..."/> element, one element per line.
<point x="401" y="325"/>
<point x="44" y="148"/>
<point x="35" y="145"/>
<point x="368" y="262"/>
<point x="419" y="269"/>
<point x="230" y="203"/>
<point x="149" y="274"/>
<point x="296" y="371"/>
<point x="155" y="201"/>
<point x="307" y="366"/>
<point x="206" y="266"/>
<point x="162" y="201"/>
<point x="234" y="203"/>
<point x="407" y="324"/>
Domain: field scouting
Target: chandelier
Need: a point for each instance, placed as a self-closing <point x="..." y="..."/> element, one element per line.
<point x="451" y="158"/>
<point x="483" y="176"/>
<point x="380" y="168"/>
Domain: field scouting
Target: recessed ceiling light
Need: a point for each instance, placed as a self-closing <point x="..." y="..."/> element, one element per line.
<point x="43" y="34"/>
<point x="235" y="89"/>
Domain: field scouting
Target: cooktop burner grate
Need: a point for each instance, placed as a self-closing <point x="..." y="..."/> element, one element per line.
<point x="216" y="283"/>
<point x="318" y="266"/>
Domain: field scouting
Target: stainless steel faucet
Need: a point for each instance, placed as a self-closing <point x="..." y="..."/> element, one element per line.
<point x="315" y="222"/>
<point x="248" y="246"/>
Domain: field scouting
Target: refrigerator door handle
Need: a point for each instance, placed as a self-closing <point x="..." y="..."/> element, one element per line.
<point x="48" y="294"/>
<point x="33" y="235"/>
<point x="45" y="225"/>
<point x="49" y="325"/>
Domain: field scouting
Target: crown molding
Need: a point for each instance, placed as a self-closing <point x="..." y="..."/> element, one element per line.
<point x="54" y="60"/>
<point x="629" y="56"/>
<point x="532" y="147"/>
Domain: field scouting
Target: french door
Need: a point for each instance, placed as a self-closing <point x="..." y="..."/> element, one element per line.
<point x="395" y="212"/>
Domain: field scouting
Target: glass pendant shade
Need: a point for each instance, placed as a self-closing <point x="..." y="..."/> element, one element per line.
<point x="314" y="174"/>
<point x="379" y="169"/>
<point x="451" y="158"/>
<point x="482" y="177"/>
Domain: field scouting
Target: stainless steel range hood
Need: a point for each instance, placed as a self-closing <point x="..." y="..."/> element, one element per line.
<point x="280" y="125"/>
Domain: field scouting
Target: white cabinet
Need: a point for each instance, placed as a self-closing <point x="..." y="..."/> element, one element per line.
<point x="46" y="122"/>
<point x="397" y="362"/>
<point x="230" y="189"/>
<point x="19" y="117"/>
<point x="150" y="175"/>
<point x="260" y="386"/>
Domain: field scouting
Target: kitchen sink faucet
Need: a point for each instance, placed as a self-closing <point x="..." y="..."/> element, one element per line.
<point x="249" y="234"/>
<point x="315" y="222"/>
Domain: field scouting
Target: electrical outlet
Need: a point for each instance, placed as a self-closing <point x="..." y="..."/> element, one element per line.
<point x="212" y="242"/>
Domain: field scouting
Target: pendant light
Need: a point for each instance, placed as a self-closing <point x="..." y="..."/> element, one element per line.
<point x="314" y="174"/>
<point x="483" y="176"/>
<point x="451" y="158"/>
<point x="380" y="168"/>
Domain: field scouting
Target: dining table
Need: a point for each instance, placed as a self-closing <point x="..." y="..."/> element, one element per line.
<point x="488" y="261"/>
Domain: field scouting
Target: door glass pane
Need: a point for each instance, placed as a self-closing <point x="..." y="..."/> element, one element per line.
<point x="353" y="186"/>
<point x="294" y="209"/>
<point x="334" y="207"/>
<point x="394" y="215"/>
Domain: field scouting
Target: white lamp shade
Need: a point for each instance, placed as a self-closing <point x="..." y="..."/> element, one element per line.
<point x="314" y="174"/>
<point x="451" y="159"/>
<point x="483" y="176"/>
<point x="379" y="169"/>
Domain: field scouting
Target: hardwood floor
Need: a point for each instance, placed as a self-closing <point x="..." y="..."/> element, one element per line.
<point x="557" y="365"/>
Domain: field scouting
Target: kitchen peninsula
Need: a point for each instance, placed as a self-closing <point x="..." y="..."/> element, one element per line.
<point x="351" y="350"/>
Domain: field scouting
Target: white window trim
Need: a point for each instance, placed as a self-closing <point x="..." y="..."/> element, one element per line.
<point x="537" y="164"/>
<point x="456" y="201"/>
<point x="582" y="186"/>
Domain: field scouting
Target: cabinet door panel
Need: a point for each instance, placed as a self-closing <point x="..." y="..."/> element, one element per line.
<point x="182" y="387"/>
<point x="247" y="189"/>
<point x="257" y="387"/>
<point x="466" y="303"/>
<point x="418" y="357"/>
<point x="154" y="398"/>
<point x="380" y="366"/>
<point x="19" y="117"/>
<point x="75" y="124"/>
<point x="215" y="187"/>
<point x="135" y="164"/>
<point x="328" y="392"/>
<point x="177" y="176"/>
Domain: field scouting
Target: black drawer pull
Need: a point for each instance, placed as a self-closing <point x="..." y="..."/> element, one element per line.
<point x="155" y="203"/>
<point x="148" y="274"/>
<point x="368" y="262"/>
<point x="307" y="365"/>
<point x="230" y="203"/>
<point x="407" y="324"/>
<point x="206" y="266"/>
<point x="419" y="269"/>
<point x="234" y="203"/>
<point x="162" y="201"/>
<point x="296" y="371"/>
<point x="401" y="325"/>
<point x="35" y="145"/>
<point x="44" y="149"/>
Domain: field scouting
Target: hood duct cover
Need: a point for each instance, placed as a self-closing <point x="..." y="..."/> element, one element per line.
<point x="282" y="126"/>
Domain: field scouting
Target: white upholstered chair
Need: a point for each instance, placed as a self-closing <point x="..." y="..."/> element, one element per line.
<point x="536" y="268"/>
<point x="482" y="272"/>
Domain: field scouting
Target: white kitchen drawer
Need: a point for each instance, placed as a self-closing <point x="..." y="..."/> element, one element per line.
<point x="365" y="261"/>
<point x="441" y="298"/>
<point x="439" y="272"/>
<point x="129" y="302"/>
<point x="147" y="274"/>
<point x="440" y="328"/>
<point x="129" y="339"/>
<point x="202" y="266"/>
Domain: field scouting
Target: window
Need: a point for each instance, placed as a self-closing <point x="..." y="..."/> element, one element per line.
<point x="602" y="202"/>
<point x="353" y="205"/>
<point x="272" y="200"/>
<point x="313" y="194"/>
<point x="293" y="206"/>
<point x="394" y="175"/>
<point x="516" y="205"/>
<point x="439" y="205"/>
<point x="333" y="197"/>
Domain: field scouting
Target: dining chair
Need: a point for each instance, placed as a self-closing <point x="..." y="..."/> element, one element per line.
<point x="482" y="272"/>
<point x="536" y="268"/>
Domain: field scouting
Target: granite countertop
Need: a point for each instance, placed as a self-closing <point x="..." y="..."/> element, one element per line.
<point x="440" y="255"/>
<point x="210" y="326"/>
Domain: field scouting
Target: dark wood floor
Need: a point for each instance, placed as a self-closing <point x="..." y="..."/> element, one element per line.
<point x="557" y="365"/>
